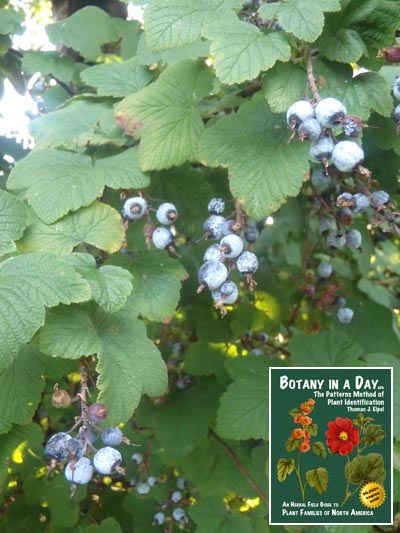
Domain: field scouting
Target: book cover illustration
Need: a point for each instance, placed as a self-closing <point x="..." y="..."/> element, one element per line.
<point x="330" y="445"/>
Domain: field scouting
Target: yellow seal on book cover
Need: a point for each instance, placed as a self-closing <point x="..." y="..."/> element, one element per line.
<point x="372" y="494"/>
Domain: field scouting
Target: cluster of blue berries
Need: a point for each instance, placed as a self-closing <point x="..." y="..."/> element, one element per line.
<point x="78" y="453"/>
<point x="222" y="258"/>
<point x="315" y="123"/>
<point x="161" y="236"/>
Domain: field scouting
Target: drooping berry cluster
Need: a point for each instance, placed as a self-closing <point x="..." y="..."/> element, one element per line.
<point x="222" y="258"/>
<point x="161" y="236"/>
<point x="315" y="123"/>
<point x="79" y="453"/>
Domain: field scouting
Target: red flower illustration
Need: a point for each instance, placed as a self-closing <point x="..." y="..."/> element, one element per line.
<point x="342" y="436"/>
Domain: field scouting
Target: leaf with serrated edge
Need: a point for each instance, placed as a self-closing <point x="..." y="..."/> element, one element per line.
<point x="318" y="479"/>
<point x="129" y="364"/>
<point x="14" y="217"/>
<point x="75" y="124"/>
<point x="98" y="225"/>
<point x="29" y="284"/>
<point x="243" y="413"/>
<point x="172" y="23"/>
<point x="327" y="348"/>
<point x="166" y="113"/>
<point x="345" y="45"/>
<point x="49" y="62"/>
<point x="84" y="31"/>
<point x="156" y="283"/>
<point x="21" y="386"/>
<point x="264" y="170"/>
<point x="111" y="285"/>
<point x="117" y="79"/>
<point x="303" y="18"/>
<point x="284" y="84"/>
<point x="11" y="21"/>
<point x="284" y="468"/>
<point x="241" y="50"/>
<point x="57" y="181"/>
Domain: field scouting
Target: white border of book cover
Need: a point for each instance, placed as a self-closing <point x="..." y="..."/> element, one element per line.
<point x="329" y="429"/>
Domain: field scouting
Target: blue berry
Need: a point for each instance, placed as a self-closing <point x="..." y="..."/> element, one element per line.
<point x="142" y="488"/>
<point x="134" y="208"/>
<point x="345" y="315"/>
<point x="213" y="227"/>
<point x="212" y="274"/>
<point x="324" y="270"/>
<point x="137" y="458"/>
<point x="159" y="519"/>
<point x="330" y="112"/>
<point x="299" y="112"/>
<point x="216" y="206"/>
<point x="176" y="496"/>
<point x="309" y="129"/>
<point x="166" y="213"/>
<point x="213" y="253"/>
<point x="79" y="472"/>
<point x="74" y="449"/>
<point x="97" y="412"/>
<point x="179" y="515"/>
<point x="55" y="446"/>
<point x="106" y="459"/>
<point x="231" y="246"/>
<point x="112" y="436"/>
<point x="162" y="238"/>
<point x="322" y="149"/>
<point x="361" y="202"/>
<point x="353" y="239"/>
<point x="247" y="263"/>
<point x="227" y="293"/>
<point x="381" y="197"/>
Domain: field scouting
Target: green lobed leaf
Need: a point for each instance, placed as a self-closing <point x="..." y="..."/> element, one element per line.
<point x="111" y="285"/>
<point x="264" y="170"/>
<point x="304" y="18"/>
<point x="129" y="364"/>
<point x="361" y="94"/>
<point x="284" y="84"/>
<point x="241" y="50"/>
<point x="172" y="23"/>
<point x="29" y="284"/>
<point x="319" y="449"/>
<point x="79" y="122"/>
<point x="21" y="385"/>
<point x="243" y="413"/>
<point x="329" y="348"/>
<point x="344" y="45"/>
<point x="8" y="442"/>
<point x="11" y="21"/>
<point x="166" y="115"/>
<point x="156" y="283"/>
<point x="49" y="62"/>
<point x="362" y="467"/>
<point x="204" y="358"/>
<point x="57" y="181"/>
<point x="98" y="225"/>
<point x="117" y="79"/>
<point x="284" y="468"/>
<point x="372" y="434"/>
<point x="182" y="422"/>
<point x="318" y="479"/>
<point x="84" y="31"/>
<point x="14" y="217"/>
<point x="199" y="48"/>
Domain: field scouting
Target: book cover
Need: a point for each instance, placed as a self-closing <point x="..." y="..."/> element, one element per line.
<point x="330" y="445"/>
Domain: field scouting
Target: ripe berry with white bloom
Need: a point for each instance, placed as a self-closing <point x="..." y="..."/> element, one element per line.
<point x="55" y="446"/>
<point x="247" y="263"/>
<point x="112" y="436"/>
<point x="142" y="487"/>
<point x="74" y="449"/>
<point x="353" y="239"/>
<point x="212" y="274"/>
<point x="162" y="238"/>
<point x="330" y="112"/>
<point x="335" y="239"/>
<point x="216" y="206"/>
<point x="137" y="458"/>
<point x="227" y="293"/>
<point x="179" y="515"/>
<point x="79" y="472"/>
<point x="361" y="202"/>
<point x="321" y="150"/>
<point x="324" y="270"/>
<point x="106" y="459"/>
<point x="346" y="155"/>
<point x="231" y="246"/>
<point x="213" y="253"/>
<point x="309" y="129"/>
<point x="134" y="208"/>
<point x="159" y="519"/>
<point x="214" y="227"/>
<point x="298" y="112"/>
<point x="166" y="213"/>
<point x="396" y="88"/>
<point x="345" y="315"/>
<point x="176" y="496"/>
<point x="152" y="481"/>
<point x="380" y="198"/>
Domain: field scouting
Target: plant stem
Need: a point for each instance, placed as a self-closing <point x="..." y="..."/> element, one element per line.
<point x="298" y="474"/>
<point x="310" y="77"/>
<point x="240" y="467"/>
